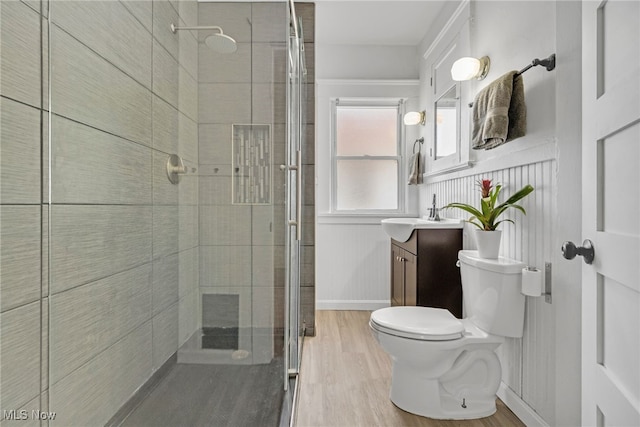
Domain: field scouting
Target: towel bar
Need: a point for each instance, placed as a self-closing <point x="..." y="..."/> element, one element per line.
<point x="421" y="141"/>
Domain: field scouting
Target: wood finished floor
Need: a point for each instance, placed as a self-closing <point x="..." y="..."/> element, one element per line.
<point x="345" y="380"/>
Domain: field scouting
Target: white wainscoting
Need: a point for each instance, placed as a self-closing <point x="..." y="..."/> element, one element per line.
<point x="528" y="364"/>
<point x="353" y="267"/>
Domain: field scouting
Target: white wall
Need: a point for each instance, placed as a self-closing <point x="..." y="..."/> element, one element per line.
<point x="352" y="253"/>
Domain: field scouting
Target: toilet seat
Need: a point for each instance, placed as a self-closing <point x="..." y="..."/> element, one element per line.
<point x="418" y="323"/>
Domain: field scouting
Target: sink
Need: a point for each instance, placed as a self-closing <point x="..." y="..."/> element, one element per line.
<point x="400" y="229"/>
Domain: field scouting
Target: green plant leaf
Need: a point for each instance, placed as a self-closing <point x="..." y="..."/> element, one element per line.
<point x="473" y="211"/>
<point x="523" y="192"/>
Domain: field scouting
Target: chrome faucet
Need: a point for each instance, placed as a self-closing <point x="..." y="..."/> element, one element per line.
<point x="434" y="214"/>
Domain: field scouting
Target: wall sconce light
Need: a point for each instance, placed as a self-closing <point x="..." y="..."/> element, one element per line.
<point x="470" y="68"/>
<point x="415" y="118"/>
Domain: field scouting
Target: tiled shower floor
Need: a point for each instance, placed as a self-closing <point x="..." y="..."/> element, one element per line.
<point x="214" y="395"/>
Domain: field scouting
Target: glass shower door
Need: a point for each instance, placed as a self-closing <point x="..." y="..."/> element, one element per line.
<point x="295" y="134"/>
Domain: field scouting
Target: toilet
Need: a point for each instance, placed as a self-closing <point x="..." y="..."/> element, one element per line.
<point x="447" y="368"/>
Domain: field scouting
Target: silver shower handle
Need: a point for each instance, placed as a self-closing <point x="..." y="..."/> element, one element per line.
<point x="299" y="195"/>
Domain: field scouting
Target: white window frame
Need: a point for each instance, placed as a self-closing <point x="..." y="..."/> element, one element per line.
<point x="368" y="103"/>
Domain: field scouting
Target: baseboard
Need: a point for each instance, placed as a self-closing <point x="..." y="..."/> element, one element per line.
<point x="519" y="407"/>
<point x="142" y="392"/>
<point x="367" y="305"/>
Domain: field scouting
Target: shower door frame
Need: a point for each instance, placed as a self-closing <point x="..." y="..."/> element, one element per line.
<point x="296" y="73"/>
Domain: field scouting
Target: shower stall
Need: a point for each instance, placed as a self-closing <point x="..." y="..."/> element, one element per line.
<point x="156" y="209"/>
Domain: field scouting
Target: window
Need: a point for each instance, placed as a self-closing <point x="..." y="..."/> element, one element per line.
<point x="366" y="156"/>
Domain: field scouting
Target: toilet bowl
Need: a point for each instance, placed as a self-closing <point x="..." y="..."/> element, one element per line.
<point x="444" y="367"/>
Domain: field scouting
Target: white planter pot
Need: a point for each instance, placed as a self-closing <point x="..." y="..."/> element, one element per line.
<point x="488" y="243"/>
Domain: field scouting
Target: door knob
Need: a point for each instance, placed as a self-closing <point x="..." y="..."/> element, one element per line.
<point x="570" y="250"/>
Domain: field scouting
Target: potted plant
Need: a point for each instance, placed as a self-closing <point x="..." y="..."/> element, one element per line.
<point x="487" y="217"/>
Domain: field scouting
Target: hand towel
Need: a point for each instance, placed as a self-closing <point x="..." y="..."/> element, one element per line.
<point x="499" y="112"/>
<point x="415" y="172"/>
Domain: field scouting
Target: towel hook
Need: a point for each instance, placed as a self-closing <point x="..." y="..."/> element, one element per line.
<point x="421" y="141"/>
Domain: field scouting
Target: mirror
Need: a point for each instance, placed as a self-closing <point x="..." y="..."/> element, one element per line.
<point x="446" y="124"/>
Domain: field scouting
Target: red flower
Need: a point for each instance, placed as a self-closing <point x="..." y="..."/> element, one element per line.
<point x="485" y="187"/>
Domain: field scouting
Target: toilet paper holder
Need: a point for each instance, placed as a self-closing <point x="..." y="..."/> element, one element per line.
<point x="547" y="281"/>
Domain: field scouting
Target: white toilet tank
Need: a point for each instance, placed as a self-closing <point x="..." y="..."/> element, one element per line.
<point x="491" y="293"/>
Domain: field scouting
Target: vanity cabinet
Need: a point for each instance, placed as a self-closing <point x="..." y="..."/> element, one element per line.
<point x="424" y="272"/>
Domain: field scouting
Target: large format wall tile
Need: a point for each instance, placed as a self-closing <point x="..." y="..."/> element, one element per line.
<point x="269" y="103"/>
<point x="225" y="266"/>
<point x="90" y="395"/>
<point x="234" y="18"/>
<point x="19" y="255"/>
<point x="225" y="225"/>
<point x="19" y="153"/>
<point x="88" y="319"/>
<point x="20" y="355"/>
<point x="188" y="227"/>
<point x="188" y="138"/>
<point x="216" y="67"/>
<point x="164" y="15"/>
<point x="165" y="335"/>
<point x="108" y="28"/>
<point x="188" y="271"/>
<point x="225" y="103"/>
<point x="165" y="282"/>
<point x="187" y="316"/>
<point x="215" y="145"/>
<point x="142" y="10"/>
<point x="164" y="192"/>
<point x="216" y="189"/>
<point x="269" y="22"/>
<point x="188" y="95"/>
<point x="91" y="166"/>
<point x="165" y="126"/>
<point x="20" y="47"/>
<point x="165" y="74"/>
<point x="92" y="242"/>
<point x="165" y="231"/>
<point x="88" y="89"/>
<point x="269" y="62"/>
<point x="188" y="52"/>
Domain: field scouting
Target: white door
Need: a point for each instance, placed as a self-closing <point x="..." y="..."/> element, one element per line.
<point x="611" y="213"/>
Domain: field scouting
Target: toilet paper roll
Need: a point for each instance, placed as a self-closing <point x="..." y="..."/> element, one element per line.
<point x="532" y="281"/>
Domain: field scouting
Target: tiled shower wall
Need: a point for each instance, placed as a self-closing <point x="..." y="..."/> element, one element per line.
<point x="99" y="253"/>
<point x="242" y="245"/>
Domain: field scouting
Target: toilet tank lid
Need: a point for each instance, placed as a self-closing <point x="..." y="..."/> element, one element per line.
<point x="499" y="265"/>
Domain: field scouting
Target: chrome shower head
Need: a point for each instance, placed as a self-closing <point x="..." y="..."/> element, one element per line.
<point x="221" y="43"/>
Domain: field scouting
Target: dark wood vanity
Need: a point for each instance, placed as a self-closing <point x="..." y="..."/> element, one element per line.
<point x="424" y="272"/>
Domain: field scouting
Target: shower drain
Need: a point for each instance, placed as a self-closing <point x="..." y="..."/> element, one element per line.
<point x="239" y="354"/>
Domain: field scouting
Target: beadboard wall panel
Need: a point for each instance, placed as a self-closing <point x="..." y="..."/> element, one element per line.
<point x="359" y="272"/>
<point x="527" y="363"/>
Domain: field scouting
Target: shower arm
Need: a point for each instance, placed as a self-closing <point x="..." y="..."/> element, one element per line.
<point x="211" y="27"/>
